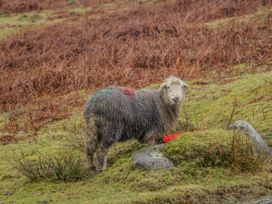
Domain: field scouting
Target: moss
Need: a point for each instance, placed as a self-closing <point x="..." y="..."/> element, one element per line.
<point x="205" y="148"/>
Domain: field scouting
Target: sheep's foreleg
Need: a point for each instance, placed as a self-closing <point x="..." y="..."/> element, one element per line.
<point x="150" y="137"/>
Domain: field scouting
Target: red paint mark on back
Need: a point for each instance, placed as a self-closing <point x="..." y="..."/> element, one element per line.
<point x="127" y="91"/>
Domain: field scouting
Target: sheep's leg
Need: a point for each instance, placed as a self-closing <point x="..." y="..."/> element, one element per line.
<point x="102" y="157"/>
<point x="90" y="150"/>
<point x="110" y="133"/>
<point x="91" y="143"/>
<point x="150" y="137"/>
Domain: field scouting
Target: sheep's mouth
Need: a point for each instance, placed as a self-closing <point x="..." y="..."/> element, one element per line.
<point x="176" y="101"/>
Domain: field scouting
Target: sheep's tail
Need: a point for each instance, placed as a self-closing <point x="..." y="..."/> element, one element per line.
<point x="253" y="135"/>
<point x="91" y="139"/>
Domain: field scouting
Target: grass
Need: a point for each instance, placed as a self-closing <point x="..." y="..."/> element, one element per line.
<point x="64" y="166"/>
<point x="256" y="17"/>
<point x="202" y="158"/>
<point x="14" y="24"/>
<point x="204" y="168"/>
<point x="10" y="25"/>
<point x="252" y="93"/>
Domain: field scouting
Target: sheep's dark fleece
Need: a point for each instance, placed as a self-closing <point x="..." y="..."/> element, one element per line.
<point x="117" y="114"/>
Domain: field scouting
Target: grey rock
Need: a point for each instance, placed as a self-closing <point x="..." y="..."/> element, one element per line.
<point x="150" y="158"/>
<point x="263" y="201"/>
<point x="248" y="130"/>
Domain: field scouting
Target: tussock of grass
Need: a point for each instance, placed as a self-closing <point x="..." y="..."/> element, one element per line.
<point x="214" y="148"/>
<point x="205" y="148"/>
<point x="65" y="166"/>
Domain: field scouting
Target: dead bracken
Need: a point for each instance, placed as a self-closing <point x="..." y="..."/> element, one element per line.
<point x="115" y="48"/>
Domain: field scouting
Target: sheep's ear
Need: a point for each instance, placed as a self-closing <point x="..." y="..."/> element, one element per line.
<point x="163" y="85"/>
<point x="183" y="84"/>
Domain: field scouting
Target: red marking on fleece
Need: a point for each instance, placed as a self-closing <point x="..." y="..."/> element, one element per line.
<point x="127" y="91"/>
<point x="167" y="138"/>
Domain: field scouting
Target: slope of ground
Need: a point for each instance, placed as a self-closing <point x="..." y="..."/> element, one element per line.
<point x="50" y="60"/>
<point x="203" y="171"/>
<point x="135" y="54"/>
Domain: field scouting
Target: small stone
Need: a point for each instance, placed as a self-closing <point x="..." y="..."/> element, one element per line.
<point x="8" y="193"/>
<point x="150" y="158"/>
<point x="263" y="201"/>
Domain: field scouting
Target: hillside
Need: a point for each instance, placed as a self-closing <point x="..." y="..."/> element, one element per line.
<point x="54" y="55"/>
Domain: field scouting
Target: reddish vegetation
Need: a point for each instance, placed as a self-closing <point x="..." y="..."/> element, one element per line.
<point x="18" y="6"/>
<point x="7" y="139"/>
<point x="30" y="118"/>
<point x="134" y="47"/>
<point x="206" y="10"/>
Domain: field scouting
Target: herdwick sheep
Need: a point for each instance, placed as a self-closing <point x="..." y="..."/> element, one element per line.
<point x="118" y="114"/>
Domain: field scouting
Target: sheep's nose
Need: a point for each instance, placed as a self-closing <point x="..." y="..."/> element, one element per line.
<point x="176" y="99"/>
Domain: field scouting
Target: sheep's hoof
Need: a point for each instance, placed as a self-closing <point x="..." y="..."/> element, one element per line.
<point x="99" y="170"/>
<point x="91" y="168"/>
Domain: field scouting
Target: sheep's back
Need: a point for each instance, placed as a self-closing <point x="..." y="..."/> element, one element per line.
<point x="136" y="111"/>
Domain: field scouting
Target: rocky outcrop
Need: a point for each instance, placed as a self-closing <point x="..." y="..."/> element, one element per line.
<point x="248" y="130"/>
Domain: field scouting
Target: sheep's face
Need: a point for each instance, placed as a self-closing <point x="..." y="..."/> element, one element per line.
<point x="173" y="89"/>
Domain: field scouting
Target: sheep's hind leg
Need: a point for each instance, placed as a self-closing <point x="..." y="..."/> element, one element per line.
<point x="91" y="143"/>
<point x="102" y="157"/>
<point x="110" y="134"/>
<point x="90" y="150"/>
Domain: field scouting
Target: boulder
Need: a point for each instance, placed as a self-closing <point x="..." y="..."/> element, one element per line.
<point x="151" y="158"/>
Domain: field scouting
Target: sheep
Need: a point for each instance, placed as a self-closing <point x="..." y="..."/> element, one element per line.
<point x="117" y="114"/>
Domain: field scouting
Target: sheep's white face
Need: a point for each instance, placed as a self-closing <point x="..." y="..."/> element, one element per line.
<point x="174" y="90"/>
<point x="175" y="93"/>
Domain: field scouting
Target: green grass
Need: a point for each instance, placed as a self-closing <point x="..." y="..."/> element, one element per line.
<point x="10" y="25"/>
<point x="202" y="172"/>
<point x="14" y="24"/>
<point x="256" y="17"/>
<point x="210" y="106"/>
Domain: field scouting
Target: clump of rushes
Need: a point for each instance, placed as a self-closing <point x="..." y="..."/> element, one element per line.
<point x="64" y="166"/>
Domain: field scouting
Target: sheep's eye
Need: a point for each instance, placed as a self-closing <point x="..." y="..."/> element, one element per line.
<point x="168" y="87"/>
